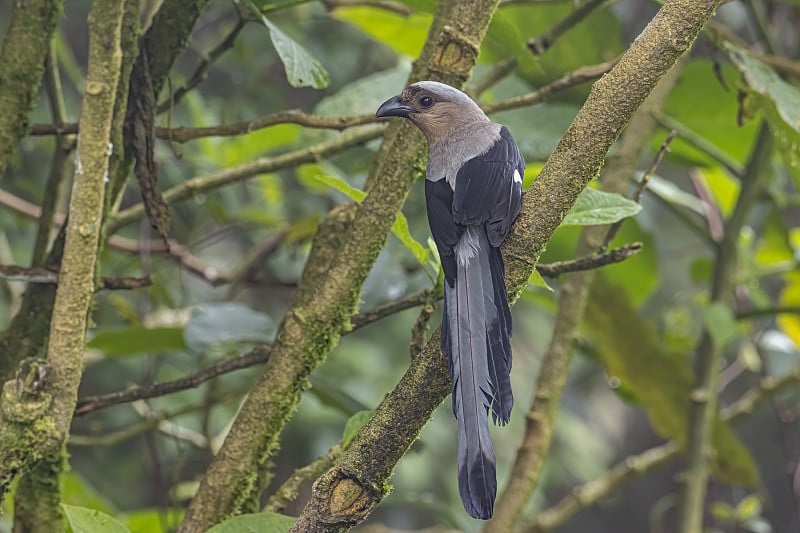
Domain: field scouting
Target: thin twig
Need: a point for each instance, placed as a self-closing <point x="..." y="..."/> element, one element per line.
<point x="498" y="72"/>
<point x="55" y="94"/>
<point x="702" y="144"/>
<point x="200" y="184"/>
<point x="589" y="262"/>
<point x="768" y="311"/>
<point x="539" y="45"/>
<point x="637" y="195"/>
<point x="290" y="488"/>
<point x="24" y="207"/>
<point x="47" y="276"/>
<point x="93" y="403"/>
<point x="567" y="81"/>
<point x="201" y="72"/>
<point x="295" y="116"/>
<point x="257" y="356"/>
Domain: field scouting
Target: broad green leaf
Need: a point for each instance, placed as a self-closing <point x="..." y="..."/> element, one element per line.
<point x="593" y="40"/>
<point x="216" y="323"/>
<point x="353" y="425"/>
<point x="720" y="323"/>
<point x="639" y="275"/>
<point x="133" y="340"/>
<point x="365" y="94"/>
<point x="538" y="129"/>
<point x="699" y="89"/>
<point x="256" y="522"/>
<point x="779" y="101"/>
<point x="302" y="69"/>
<point x="403" y="34"/>
<point x="83" y="520"/>
<point x="75" y="490"/>
<point x="147" y="520"/>
<point x="595" y="207"/>
<point x="658" y="379"/>
<point x="315" y="174"/>
<point x="749" y="507"/>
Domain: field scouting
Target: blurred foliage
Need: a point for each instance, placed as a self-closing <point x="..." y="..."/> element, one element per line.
<point x="134" y="466"/>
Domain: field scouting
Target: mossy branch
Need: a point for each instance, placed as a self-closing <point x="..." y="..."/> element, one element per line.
<point x="343" y="252"/>
<point x="41" y="432"/>
<point x="25" y="47"/>
<point x="369" y="461"/>
<point x="76" y="281"/>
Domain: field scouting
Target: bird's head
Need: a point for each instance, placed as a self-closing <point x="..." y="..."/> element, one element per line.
<point x="435" y="108"/>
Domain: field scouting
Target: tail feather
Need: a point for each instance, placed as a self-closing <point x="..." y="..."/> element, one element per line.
<point x="475" y="336"/>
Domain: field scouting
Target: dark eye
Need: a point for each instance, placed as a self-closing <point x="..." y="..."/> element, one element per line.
<point x="426" y="101"/>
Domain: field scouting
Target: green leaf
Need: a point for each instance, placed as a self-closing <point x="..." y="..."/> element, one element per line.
<point x="537" y="280"/>
<point x="256" y="522"/>
<point x="779" y="101"/>
<point x="302" y="69"/>
<point x="639" y="275"/>
<point x="152" y="519"/>
<point x="403" y="34"/>
<point x="77" y="491"/>
<point x="671" y="193"/>
<point x="748" y="508"/>
<point x="133" y="340"/>
<point x="699" y="88"/>
<point x="316" y="175"/>
<point x="595" y="207"/>
<point x="538" y="129"/>
<point x="659" y="380"/>
<point x="83" y="520"/>
<point x="216" y="323"/>
<point x="353" y="425"/>
<point x="720" y="323"/>
<point x="365" y="93"/>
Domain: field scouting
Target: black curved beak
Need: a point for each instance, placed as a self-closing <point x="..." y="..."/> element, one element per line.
<point x="393" y="107"/>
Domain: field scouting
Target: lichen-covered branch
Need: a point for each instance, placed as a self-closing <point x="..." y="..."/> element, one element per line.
<point x="35" y="433"/>
<point x="329" y="289"/>
<point x="369" y="461"/>
<point x="540" y="420"/>
<point x="76" y="281"/>
<point x="25" y="46"/>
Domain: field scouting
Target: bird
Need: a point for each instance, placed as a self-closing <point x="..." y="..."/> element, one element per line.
<point x="473" y="192"/>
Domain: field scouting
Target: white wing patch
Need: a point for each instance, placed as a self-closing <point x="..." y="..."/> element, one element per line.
<point x="517" y="177"/>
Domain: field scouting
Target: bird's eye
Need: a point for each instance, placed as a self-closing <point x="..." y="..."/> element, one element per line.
<point x="426" y="101"/>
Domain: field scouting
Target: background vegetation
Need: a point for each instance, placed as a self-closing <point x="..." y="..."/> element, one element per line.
<point x="656" y="391"/>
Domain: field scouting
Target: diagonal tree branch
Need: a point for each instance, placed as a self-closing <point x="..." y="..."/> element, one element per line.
<point x="344" y="249"/>
<point x="364" y="469"/>
<point x="26" y="43"/>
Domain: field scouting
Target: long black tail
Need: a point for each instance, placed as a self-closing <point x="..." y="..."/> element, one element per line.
<point x="476" y="330"/>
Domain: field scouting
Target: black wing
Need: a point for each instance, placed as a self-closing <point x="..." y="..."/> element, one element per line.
<point x="445" y="231"/>
<point x="487" y="191"/>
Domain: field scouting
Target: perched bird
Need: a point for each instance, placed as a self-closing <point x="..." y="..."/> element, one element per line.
<point x="473" y="190"/>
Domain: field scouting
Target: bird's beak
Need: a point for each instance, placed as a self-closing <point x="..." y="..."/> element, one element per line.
<point x="393" y="107"/>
